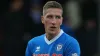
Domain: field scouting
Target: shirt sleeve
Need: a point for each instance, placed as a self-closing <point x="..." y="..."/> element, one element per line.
<point x="28" y="50"/>
<point x="72" y="49"/>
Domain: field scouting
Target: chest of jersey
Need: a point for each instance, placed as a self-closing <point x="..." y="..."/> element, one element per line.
<point x="54" y="49"/>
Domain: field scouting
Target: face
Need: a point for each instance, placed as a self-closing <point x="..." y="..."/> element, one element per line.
<point x="52" y="20"/>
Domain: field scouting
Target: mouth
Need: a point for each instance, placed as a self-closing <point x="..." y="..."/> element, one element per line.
<point x="53" y="27"/>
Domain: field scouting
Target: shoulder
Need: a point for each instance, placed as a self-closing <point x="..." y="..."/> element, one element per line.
<point x="36" y="39"/>
<point x="71" y="45"/>
<point x="69" y="39"/>
<point x="66" y="37"/>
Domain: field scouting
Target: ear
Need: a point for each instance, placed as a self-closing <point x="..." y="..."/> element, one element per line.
<point x="42" y="19"/>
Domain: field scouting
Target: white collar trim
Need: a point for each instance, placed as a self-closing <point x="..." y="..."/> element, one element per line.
<point x="54" y="39"/>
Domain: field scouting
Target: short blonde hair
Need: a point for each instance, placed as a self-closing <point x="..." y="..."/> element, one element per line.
<point x="51" y="4"/>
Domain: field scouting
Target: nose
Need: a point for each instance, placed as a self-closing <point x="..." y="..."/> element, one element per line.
<point x="53" y="21"/>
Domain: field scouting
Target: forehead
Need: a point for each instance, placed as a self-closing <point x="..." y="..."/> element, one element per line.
<point x="53" y="11"/>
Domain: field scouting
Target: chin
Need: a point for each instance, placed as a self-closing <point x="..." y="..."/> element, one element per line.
<point x="53" y="32"/>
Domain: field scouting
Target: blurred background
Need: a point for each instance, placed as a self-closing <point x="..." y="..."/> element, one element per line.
<point x="20" y="20"/>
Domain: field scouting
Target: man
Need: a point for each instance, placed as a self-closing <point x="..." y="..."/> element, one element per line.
<point x="54" y="42"/>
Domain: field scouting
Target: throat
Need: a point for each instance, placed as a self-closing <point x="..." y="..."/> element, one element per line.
<point x="49" y="37"/>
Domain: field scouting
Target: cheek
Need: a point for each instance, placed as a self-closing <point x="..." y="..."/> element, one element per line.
<point x="60" y="22"/>
<point x="47" y="22"/>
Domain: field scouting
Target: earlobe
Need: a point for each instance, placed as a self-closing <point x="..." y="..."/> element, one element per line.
<point x="42" y="22"/>
<point x="42" y="19"/>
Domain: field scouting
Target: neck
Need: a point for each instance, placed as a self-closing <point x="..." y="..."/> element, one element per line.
<point x="51" y="36"/>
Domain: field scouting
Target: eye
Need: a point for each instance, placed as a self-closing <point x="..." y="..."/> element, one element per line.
<point x="58" y="17"/>
<point x="49" y="16"/>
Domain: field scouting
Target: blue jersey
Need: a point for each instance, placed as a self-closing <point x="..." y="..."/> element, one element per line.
<point x="61" y="45"/>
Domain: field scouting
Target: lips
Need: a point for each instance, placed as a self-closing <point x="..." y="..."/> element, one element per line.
<point x="52" y="27"/>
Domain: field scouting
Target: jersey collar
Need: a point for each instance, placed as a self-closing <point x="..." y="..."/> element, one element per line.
<point x="54" y="39"/>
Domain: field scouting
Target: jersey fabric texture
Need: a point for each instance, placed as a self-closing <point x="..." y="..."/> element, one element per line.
<point x="60" y="45"/>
